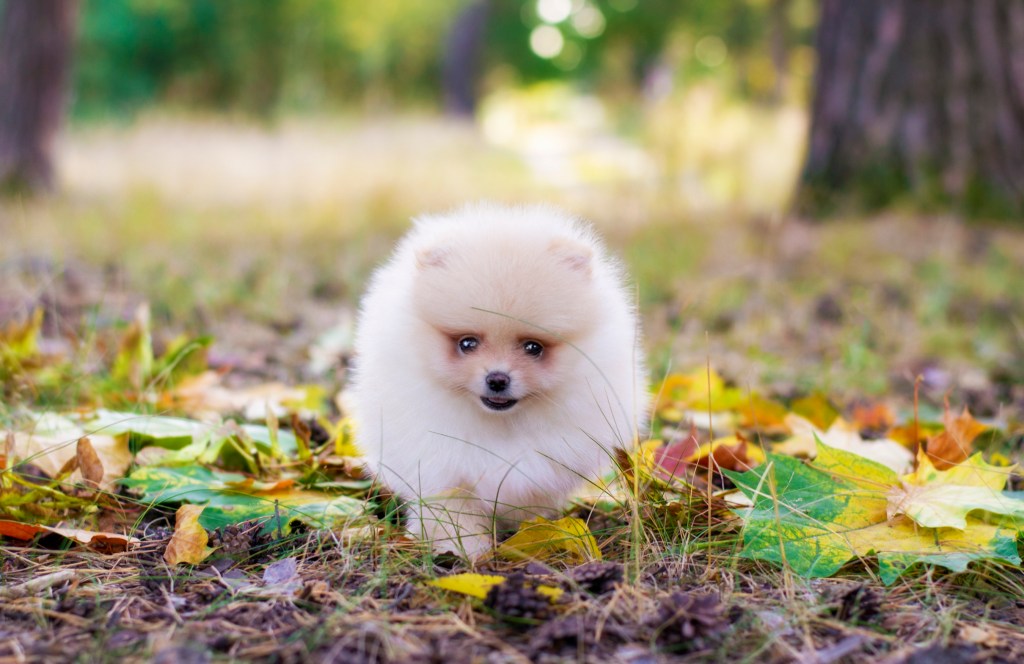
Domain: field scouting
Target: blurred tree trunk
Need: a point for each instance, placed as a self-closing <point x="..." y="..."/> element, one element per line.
<point x="778" y="28"/>
<point x="462" y="54"/>
<point x="35" y="56"/>
<point x="919" y="100"/>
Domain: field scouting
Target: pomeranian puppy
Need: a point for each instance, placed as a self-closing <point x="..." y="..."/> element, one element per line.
<point x="497" y="368"/>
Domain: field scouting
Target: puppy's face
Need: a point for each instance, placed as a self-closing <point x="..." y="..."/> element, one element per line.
<point x="501" y="317"/>
<point x="501" y="366"/>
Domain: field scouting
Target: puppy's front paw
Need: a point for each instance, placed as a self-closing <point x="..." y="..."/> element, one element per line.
<point x="453" y="528"/>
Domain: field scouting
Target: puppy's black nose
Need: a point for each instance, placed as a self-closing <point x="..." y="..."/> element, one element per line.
<point x="497" y="381"/>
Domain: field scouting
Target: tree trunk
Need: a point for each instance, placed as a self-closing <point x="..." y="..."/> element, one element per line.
<point x="35" y="56"/>
<point x="919" y="100"/>
<point x="462" y="54"/>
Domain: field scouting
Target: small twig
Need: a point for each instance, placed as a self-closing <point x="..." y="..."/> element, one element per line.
<point x="837" y="651"/>
<point x="34" y="586"/>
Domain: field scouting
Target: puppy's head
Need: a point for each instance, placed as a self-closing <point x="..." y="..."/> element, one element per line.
<point x="502" y="307"/>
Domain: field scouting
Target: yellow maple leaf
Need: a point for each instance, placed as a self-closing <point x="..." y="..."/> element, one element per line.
<point x="567" y="538"/>
<point x="477" y="585"/>
<point x="815" y="523"/>
<point x="943" y="498"/>
<point x="698" y="389"/>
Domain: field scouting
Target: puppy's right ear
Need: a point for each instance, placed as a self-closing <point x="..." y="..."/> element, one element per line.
<point x="433" y="257"/>
<point x="576" y="255"/>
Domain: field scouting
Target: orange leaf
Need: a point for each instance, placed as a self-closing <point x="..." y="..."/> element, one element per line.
<point x="97" y="541"/>
<point x="188" y="543"/>
<point x="732" y="453"/>
<point x="250" y="485"/>
<point x="952" y="446"/>
<point x="21" y="531"/>
<point x="873" y="416"/>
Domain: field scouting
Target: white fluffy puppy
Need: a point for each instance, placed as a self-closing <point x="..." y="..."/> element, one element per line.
<point x="497" y="367"/>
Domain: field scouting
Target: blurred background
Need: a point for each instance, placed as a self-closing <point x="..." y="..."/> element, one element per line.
<point x="810" y="194"/>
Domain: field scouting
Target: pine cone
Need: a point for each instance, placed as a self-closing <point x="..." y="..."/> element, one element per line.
<point x="683" y="617"/>
<point x="569" y="632"/>
<point x="597" y="578"/>
<point x="318" y="435"/>
<point x="566" y="636"/>
<point x="861" y="604"/>
<point x="515" y="598"/>
<point x="235" y="539"/>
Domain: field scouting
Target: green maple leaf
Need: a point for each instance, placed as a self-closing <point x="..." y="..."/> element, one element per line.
<point x="233" y="498"/>
<point x="814" y="518"/>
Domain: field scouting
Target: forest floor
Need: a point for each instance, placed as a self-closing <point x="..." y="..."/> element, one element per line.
<point x="860" y="314"/>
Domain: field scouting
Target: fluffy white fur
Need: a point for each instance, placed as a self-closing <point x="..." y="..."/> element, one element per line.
<point x="505" y="276"/>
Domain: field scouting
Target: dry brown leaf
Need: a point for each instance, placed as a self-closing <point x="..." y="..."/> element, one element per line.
<point x="205" y="395"/>
<point x="57" y="451"/>
<point x="954" y="445"/>
<point x="89" y="462"/>
<point x="188" y="543"/>
<point x="982" y="635"/>
<point x="96" y="541"/>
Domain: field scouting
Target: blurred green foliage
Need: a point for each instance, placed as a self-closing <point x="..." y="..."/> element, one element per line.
<point x="266" y="56"/>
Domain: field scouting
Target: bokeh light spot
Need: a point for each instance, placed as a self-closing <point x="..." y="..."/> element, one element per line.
<point x="588" y="22"/>
<point x="570" y="57"/>
<point x="554" y="11"/>
<point x="711" y="51"/>
<point x="546" y="41"/>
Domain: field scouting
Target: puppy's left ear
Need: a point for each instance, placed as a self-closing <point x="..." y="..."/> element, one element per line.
<point x="434" y="257"/>
<point x="576" y="255"/>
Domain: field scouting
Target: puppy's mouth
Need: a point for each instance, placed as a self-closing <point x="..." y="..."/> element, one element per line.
<point x="498" y="403"/>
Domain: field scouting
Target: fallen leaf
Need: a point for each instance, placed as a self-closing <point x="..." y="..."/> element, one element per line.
<point x="205" y="394"/>
<point x="670" y="462"/>
<point x="468" y="583"/>
<point x="477" y="585"/>
<point x="843" y="436"/>
<point x="701" y="389"/>
<point x="955" y="443"/>
<point x="19" y="341"/>
<point x="910" y="436"/>
<point x="88" y="462"/>
<point x="982" y="635"/>
<point x="873" y="416"/>
<point x="730" y="453"/>
<point x="763" y="415"/>
<point x="567" y="538"/>
<point x="97" y="541"/>
<point x="53" y="443"/>
<point x="281" y="572"/>
<point x="814" y="518"/>
<point x="817" y="409"/>
<point x="943" y="498"/>
<point x="233" y="498"/>
<point x="134" y="360"/>
<point x="188" y="543"/>
<point x="254" y="487"/>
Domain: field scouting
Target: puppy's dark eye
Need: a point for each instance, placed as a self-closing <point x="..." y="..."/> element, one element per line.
<point x="533" y="348"/>
<point x="468" y="344"/>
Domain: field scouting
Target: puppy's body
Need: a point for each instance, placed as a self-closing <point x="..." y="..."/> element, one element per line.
<point x="497" y="369"/>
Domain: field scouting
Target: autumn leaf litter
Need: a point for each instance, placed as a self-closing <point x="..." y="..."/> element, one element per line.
<point x="244" y="530"/>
